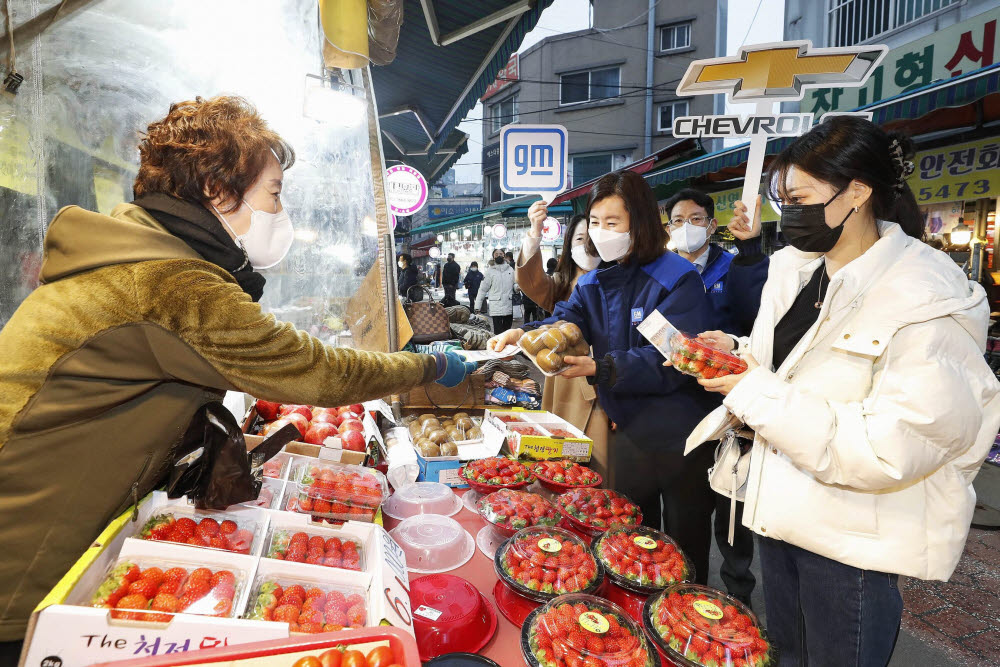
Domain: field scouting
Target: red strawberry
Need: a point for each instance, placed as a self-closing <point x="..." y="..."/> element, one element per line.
<point x="228" y="527"/>
<point x="219" y="542"/>
<point x="153" y="574"/>
<point x="143" y="588"/>
<point x="286" y="613"/>
<point x="185" y="526"/>
<point x="356" y="614"/>
<point x="165" y="602"/>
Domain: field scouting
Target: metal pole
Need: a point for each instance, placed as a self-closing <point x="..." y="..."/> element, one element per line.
<point x="650" y="44"/>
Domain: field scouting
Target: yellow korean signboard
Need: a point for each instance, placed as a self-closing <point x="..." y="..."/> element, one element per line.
<point x="961" y="172"/>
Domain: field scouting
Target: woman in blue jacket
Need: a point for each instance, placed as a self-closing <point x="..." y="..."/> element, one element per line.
<point x="653" y="408"/>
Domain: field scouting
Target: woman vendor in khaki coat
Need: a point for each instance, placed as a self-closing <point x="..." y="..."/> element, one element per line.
<point x="573" y="399"/>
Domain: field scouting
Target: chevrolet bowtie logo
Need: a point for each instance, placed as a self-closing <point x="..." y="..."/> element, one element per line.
<point x="771" y="72"/>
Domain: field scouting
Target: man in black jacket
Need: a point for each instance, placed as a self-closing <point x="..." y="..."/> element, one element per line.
<point x="407" y="277"/>
<point x="472" y="280"/>
<point x="449" y="278"/>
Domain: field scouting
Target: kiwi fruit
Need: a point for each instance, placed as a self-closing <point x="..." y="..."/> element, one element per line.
<point x="460" y="415"/>
<point x="555" y="340"/>
<point x="532" y="342"/>
<point x="465" y="423"/>
<point x="449" y="449"/>
<point x="416" y="429"/>
<point x="474" y="434"/>
<point x="572" y="333"/>
<point x="581" y="349"/>
<point x="437" y="436"/>
<point x="549" y="361"/>
<point x="429" y="450"/>
<point x="455" y="434"/>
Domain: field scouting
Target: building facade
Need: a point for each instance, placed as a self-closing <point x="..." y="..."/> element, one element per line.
<point x="614" y="95"/>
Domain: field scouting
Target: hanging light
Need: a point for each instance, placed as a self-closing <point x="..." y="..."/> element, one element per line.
<point x="453" y="236"/>
<point x="961" y="235"/>
<point x="467" y="233"/>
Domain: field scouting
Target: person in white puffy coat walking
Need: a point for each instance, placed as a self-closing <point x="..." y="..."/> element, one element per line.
<point x="871" y="401"/>
<point x="498" y="287"/>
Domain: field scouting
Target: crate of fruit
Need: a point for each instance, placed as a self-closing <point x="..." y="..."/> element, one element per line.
<point x="542" y="563"/>
<point x="593" y="511"/>
<point x="237" y="531"/>
<point x="328" y="547"/>
<point x="642" y="560"/>
<point x="540" y="435"/>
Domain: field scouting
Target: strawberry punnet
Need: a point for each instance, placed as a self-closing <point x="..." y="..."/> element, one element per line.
<point x="302" y="547"/>
<point x="693" y="357"/>
<point x="497" y="471"/>
<point x="596" y="510"/>
<point x="510" y="511"/>
<point x="339" y="492"/>
<point x="699" y="626"/>
<point x="542" y="563"/>
<point x="566" y="473"/>
<point x="584" y="630"/>
<point x="152" y="594"/>
<point x="206" y="532"/>
<point x="307" y="608"/>
<point x="641" y="559"/>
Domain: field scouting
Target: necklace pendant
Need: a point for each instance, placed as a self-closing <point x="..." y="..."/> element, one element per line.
<point x="818" y="305"/>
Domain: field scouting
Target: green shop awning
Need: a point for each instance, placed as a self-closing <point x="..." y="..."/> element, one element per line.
<point x="511" y="208"/>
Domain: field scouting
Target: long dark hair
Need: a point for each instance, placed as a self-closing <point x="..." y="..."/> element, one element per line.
<point x="566" y="268"/>
<point x="649" y="239"/>
<point x="846" y="148"/>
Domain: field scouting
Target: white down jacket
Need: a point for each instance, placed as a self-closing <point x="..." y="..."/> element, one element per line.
<point x="498" y="287"/>
<point x="870" y="433"/>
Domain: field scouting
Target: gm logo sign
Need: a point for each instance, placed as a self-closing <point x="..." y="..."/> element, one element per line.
<point x="637" y="314"/>
<point x="533" y="159"/>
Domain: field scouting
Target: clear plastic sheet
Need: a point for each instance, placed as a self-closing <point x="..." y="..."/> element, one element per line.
<point x="95" y="79"/>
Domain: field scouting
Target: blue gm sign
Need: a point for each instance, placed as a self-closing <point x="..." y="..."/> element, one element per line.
<point x="533" y="159"/>
<point x="637" y="314"/>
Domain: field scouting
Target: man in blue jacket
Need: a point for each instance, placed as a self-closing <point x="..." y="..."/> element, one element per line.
<point x="734" y="284"/>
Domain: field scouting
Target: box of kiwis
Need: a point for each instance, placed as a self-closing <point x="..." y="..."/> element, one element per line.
<point x="443" y="443"/>
<point x="549" y="344"/>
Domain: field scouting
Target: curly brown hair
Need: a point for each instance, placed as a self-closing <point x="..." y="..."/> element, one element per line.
<point x="208" y="148"/>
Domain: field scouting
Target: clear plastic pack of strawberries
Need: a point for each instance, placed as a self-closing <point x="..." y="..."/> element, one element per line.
<point x="688" y="353"/>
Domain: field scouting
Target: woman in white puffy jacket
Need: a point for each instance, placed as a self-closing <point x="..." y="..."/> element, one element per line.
<point x="871" y="401"/>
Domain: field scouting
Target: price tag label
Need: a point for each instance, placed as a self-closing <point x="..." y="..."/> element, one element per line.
<point x="576" y="448"/>
<point x="429" y="613"/>
<point x="494" y="434"/>
<point x="644" y="542"/>
<point x="450" y="477"/>
<point x="372" y="431"/>
<point x="549" y="545"/>
<point x="380" y="406"/>
<point x="331" y="450"/>
<point x="591" y="621"/>
<point x="708" y="609"/>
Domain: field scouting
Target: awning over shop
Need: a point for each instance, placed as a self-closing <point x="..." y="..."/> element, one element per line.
<point x="510" y="208"/>
<point x="641" y="166"/>
<point x="928" y="109"/>
<point x="449" y="52"/>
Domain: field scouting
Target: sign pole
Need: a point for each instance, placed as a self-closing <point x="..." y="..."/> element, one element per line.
<point x="755" y="163"/>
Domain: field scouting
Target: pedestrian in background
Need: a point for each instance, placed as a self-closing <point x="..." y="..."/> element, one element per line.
<point x="449" y="278"/>
<point x="550" y="266"/>
<point x="407" y="276"/>
<point x="498" y="287"/>
<point x="473" y="278"/>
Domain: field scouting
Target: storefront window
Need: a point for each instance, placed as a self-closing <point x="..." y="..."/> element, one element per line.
<point x="69" y="137"/>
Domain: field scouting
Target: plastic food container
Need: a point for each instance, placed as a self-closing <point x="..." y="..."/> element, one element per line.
<point x="211" y="530"/>
<point x="152" y="590"/>
<point x="593" y="511"/>
<point x="508" y="511"/>
<point x="693" y="357"/>
<point x="337" y="491"/>
<point x="542" y="563"/>
<point x="449" y="615"/>
<point x="433" y="543"/>
<point x="307" y="605"/>
<point x="435" y="436"/>
<point x="591" y="629"/>
<point x="422" y="498"/>
<point x="560" y="476"/>
<point x="642" y="560"/>
<point x="494" y="473"/>
<point x="269" y="496"/>
<point x="550" y="343"/>
<point x="696" y="625"/>
<point x="327" y="547"/>
<point x="275" y="467"/>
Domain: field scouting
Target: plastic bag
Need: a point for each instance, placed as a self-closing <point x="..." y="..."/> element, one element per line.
<point x="213" y="467"/>
<point x="384" y="20"/>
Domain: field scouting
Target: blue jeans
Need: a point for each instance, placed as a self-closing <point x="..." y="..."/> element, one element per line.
<point x="822" y="612"/>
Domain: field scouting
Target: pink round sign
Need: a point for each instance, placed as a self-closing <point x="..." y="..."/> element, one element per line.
<point x="406" y="189"/>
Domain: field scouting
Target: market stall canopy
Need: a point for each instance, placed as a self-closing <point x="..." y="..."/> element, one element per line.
<point x="449" y="52"/>
<point x="509" y="208"/>
<point x="953" y="105"/>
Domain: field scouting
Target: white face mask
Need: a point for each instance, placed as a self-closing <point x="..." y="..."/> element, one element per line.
<point x="269" y="238"/>
<point x="582" y="259"/>
<point x="611" y="246"/>
<point x="402" y="265"/>
<point x="689" y="238"/>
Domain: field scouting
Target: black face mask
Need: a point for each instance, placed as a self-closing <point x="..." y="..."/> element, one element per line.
<point x="804" y="226"/>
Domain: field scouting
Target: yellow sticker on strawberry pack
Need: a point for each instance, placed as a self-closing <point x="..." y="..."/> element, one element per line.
<point x="708" y="609"/>
<point x="591" y="621"/>
<point x="644" y="542"/>
<point x="549" y="545"/>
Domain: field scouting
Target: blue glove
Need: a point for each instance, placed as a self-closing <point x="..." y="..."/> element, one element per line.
<point x="452" y="369"/>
